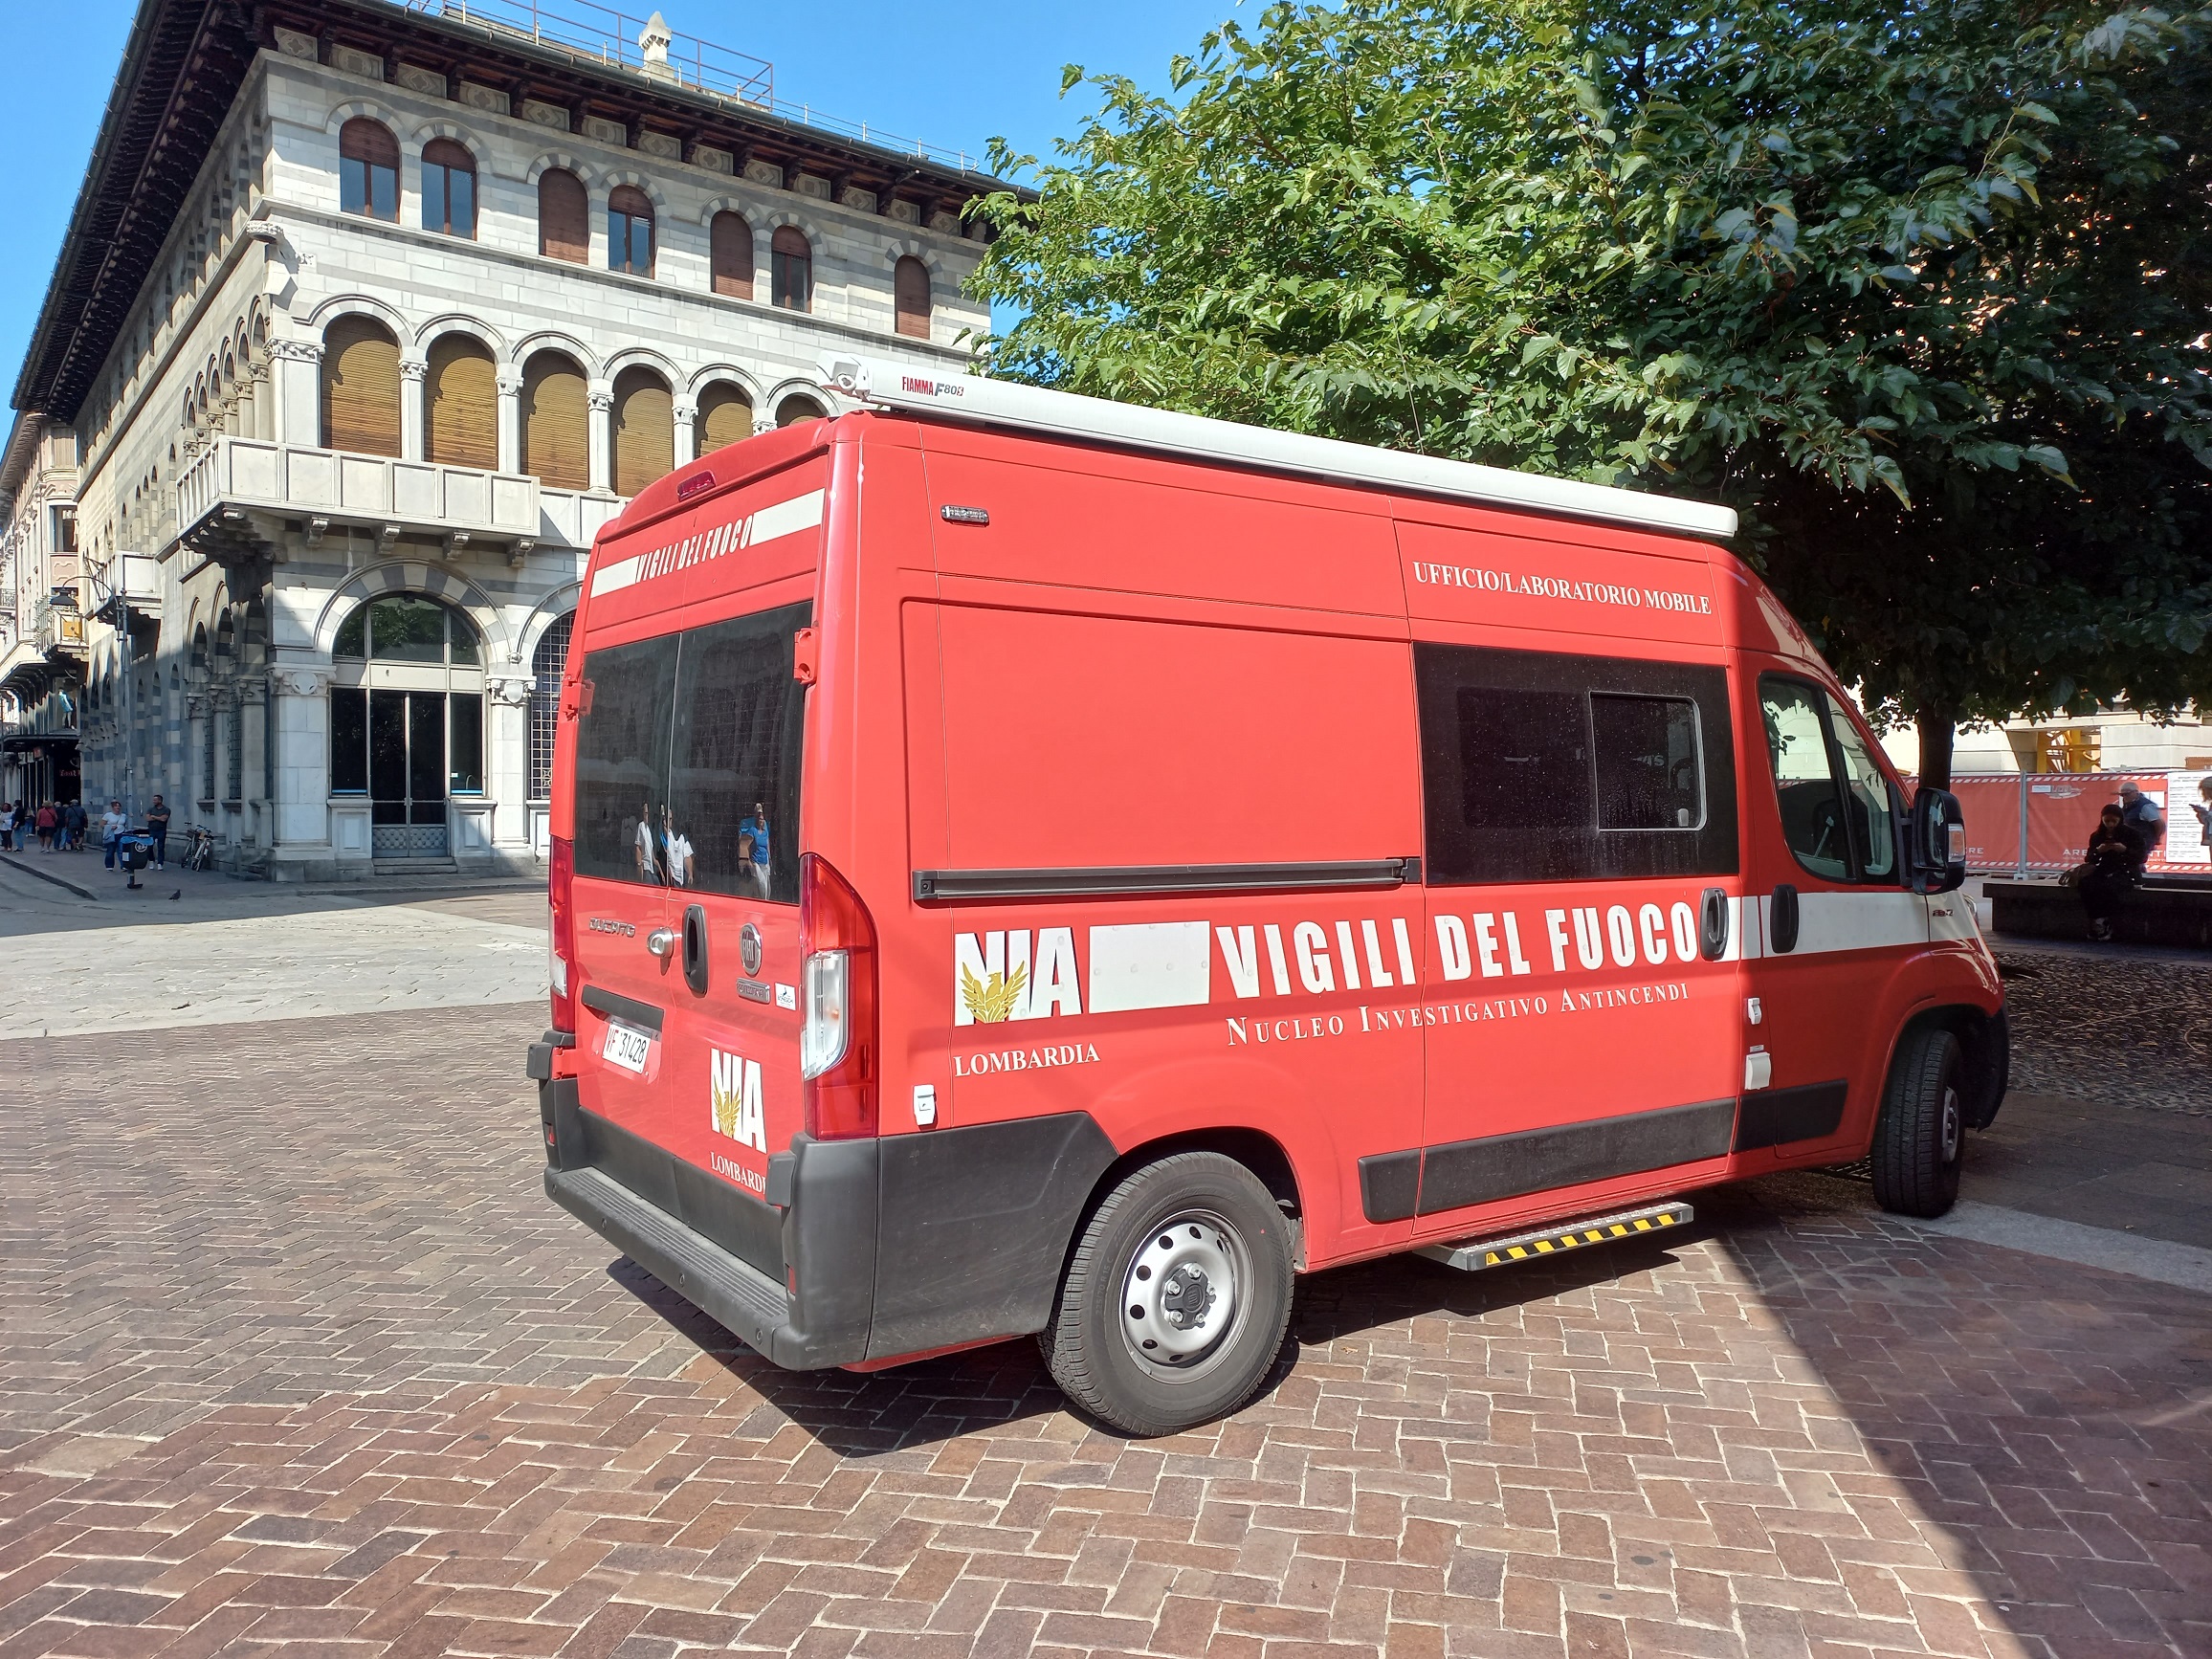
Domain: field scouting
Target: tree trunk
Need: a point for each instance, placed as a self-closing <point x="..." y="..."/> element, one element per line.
<point x="1938" y="730"/>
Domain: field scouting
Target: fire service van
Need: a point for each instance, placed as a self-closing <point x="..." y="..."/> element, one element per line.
<point x="1027" y="865"/>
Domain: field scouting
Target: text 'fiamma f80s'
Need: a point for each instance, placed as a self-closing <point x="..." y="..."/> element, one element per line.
<point x="1549" y="876"/>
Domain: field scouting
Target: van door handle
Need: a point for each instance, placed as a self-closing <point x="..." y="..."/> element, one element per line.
<point x="694" y="949"/>
<point x="1781" y="926"/>
<point x="1713" y="924"/>
<point x="660" y="940"/>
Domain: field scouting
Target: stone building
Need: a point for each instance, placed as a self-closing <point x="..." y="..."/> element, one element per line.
<point x="368" y="316"/>
<point x="41" y="628"/>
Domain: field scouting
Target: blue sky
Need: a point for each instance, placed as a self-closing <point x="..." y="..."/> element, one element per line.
<point x="948" y="73"/>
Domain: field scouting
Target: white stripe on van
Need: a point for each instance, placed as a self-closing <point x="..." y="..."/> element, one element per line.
<point x="784" y="519"/>
<point x="609" y="577"/>
<point x="1151" y="965"/>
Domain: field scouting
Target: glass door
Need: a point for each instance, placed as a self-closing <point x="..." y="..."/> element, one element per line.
<point x="407" y="773"/>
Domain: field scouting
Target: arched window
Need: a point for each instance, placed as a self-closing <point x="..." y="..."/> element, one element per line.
<point x="449" y="189"/>
<point x="226" y="638"/>
<point x="369" y="170"/>
<point x="910" y="296"/>
<point x="732" y="250"/>
<point x="547" y="664"/>
<point x="643" y="430"/>
<point x="726" y="416"/>
<point x="792" y="268"/>
<point x="361" y="387"/>
<point x="564" y="216"/>
<point x="403" y="627"/>
<point x="794" y="410"/>
<point x="555" y="422"/>
<point x="199" y="653"/>
<point x="629" y="231"/>
<point x="462" y="404"/>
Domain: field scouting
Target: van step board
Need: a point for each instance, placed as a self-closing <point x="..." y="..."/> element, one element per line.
<point x="1521" y="1246"/>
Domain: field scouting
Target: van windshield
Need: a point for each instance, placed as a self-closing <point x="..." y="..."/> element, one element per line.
<point x="688" y="759"/>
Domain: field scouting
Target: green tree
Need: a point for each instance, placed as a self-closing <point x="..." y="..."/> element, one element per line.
<point x="1920" y="288"/>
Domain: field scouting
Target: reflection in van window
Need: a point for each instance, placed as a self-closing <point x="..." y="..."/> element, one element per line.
<point x="733" y="780"/>
<point x="1868" y="795"/>
<point x="1805" y="787"/>
<point x="1544" y="767"/>
<point x="622" y="741"/>
<point x="1645" y="756"/>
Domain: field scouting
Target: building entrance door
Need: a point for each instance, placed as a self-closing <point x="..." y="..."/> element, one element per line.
<point x="407" y="773"/>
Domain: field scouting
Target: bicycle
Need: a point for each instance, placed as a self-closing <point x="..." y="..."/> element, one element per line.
<point x="202" y="852"/>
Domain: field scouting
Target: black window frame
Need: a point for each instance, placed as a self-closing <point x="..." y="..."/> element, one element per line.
<point x="1541" y="849"/>
<point x="1826" y="705"/>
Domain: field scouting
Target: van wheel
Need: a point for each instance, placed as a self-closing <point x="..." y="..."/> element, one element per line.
<point x="1174" y="1299"/>
<point x="1921" y="1136"/>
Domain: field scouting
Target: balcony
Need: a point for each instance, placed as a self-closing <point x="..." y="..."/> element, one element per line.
<point x="57" y="630"/>
<point x="422" y="497"/>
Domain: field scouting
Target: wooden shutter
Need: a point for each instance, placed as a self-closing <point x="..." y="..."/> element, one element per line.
<point x="725" y="418"/>
<point x="733" y="255"/>
<point x="792" y="263"/>
<point x="556" y="423"/>
<point x="563" y="217"/>
<point x="463" y="405"/>
<point x="363" y="140"/>
<point x="643" y="430"/>
<point x="910" y="295"/>
<point x="360" y="388"/>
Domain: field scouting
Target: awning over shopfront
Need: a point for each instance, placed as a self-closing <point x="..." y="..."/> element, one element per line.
<point x="15" y="742"/>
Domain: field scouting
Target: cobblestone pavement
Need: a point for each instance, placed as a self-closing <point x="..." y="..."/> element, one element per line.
<point x="294" y="1355"/>
<point x="2104" y="1022"/>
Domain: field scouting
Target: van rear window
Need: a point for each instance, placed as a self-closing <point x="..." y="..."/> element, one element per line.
<point x="688" y="758"/>
<point x="1544" y="767"/>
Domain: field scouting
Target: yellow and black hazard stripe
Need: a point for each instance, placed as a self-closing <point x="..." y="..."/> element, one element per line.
<point x="1478" y="1253"/>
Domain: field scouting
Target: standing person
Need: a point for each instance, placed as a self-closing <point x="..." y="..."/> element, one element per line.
<point x="676" y="852"/>
<point x="6" y="825"/>
<point x="754" y="831"/>
<point x="2140" y="813"/>
<point x="2203" y="808"/>
<point x="2108" y="870"/>
<point x="74" y="821"/>
<point x="112" y="825"/>
<point x="158" y="827"/>
<point x="641" y="845"/>
<point x="49" y="823"/>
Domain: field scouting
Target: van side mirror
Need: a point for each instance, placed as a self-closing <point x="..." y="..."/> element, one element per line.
<point x="1937" y="842"/>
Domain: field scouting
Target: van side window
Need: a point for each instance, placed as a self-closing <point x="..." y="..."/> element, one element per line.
<point x="1538" y="767"/>
<point x="1837" y="812"/>
<point x="622" y="745"/>
<point x="733" y="791"/>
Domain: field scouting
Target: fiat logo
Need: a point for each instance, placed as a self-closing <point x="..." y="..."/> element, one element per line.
<point x="749" y="949"/>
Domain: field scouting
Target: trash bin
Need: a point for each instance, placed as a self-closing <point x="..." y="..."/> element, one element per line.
<point x="138" y="852"/>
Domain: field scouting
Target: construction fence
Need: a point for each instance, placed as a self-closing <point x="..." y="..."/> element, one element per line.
<point x="2039" y="822"/>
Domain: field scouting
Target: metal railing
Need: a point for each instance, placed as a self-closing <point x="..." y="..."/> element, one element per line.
<point x="615" y="39"/>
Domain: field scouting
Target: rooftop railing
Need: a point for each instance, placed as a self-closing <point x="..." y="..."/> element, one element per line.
<point x="615" y="39"/>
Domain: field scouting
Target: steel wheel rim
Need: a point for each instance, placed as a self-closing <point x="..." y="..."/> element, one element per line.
<point x="1184" y="1294"/>
<point x="1951" y="1132"/>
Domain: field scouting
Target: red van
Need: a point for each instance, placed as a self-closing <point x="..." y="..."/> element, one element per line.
<point x="1025" y="864"/>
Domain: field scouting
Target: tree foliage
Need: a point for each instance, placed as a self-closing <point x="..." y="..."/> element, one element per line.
<point x="1922" y="288"/>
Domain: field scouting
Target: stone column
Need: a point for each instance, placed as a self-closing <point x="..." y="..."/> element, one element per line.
<point x="252" y="736"/>
<point x="413" y="411"/>
<point x="687" y="433"/>
<point x="507" y="765"/>
<point x="510" y="384"/>
<point x="602" y="437"/>
<point x="263" y="402"/>
<point x="298" y="384"/>
<point x="302" y="736"/>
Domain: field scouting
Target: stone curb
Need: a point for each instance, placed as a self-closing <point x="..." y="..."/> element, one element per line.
<point x="21" y="861"/>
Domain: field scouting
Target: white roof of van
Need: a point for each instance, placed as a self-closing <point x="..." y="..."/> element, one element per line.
<point x="1035" y="408"/>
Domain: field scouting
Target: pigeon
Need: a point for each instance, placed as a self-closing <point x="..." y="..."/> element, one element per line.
<point x="174" y="897"/>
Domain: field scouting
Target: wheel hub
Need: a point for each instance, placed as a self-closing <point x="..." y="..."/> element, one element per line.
<point x="1180" y="1297"/>
<point x="1951" y="1130"/>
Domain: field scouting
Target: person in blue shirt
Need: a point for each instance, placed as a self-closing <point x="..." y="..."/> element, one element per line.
<point x="753" y="832"/>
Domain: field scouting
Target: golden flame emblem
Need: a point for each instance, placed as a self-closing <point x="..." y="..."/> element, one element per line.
<point x="991" y="1000"/>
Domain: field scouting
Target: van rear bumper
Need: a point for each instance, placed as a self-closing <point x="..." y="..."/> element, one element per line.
<point x="746" y="1302"/>
<point x="872" y="1248"/>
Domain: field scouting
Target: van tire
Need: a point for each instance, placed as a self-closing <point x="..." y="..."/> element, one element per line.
<point x="1921" y="1136"/>
<point x="1220" y="1211"/>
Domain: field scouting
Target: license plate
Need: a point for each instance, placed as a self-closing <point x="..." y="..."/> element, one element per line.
<point x="627" y="1047"/>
